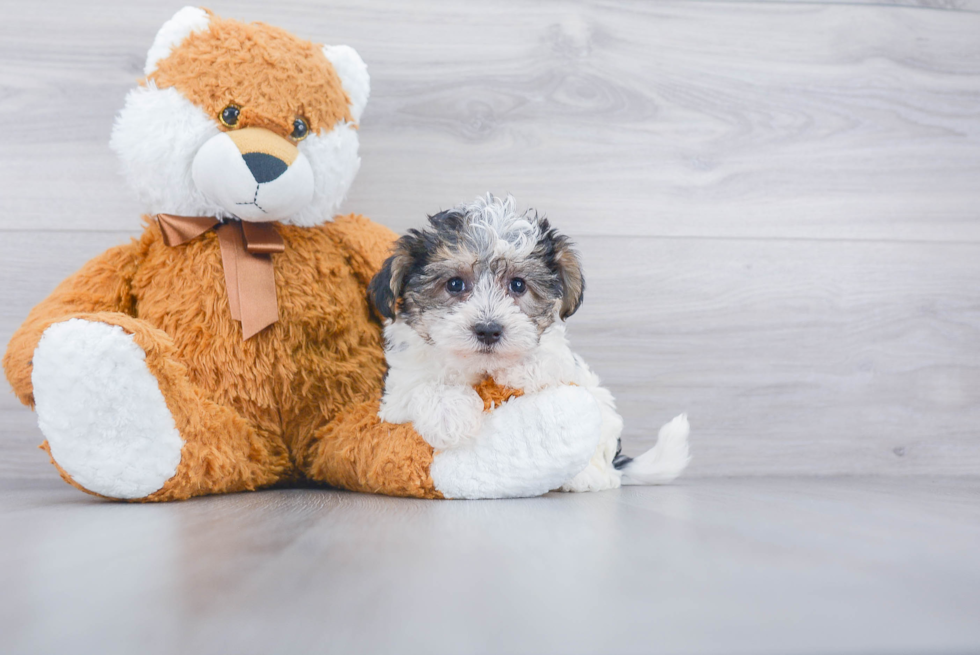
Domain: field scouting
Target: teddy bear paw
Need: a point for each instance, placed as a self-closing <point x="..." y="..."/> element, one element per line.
<point x="101" y="410"/>
<point x="527" y="447"/>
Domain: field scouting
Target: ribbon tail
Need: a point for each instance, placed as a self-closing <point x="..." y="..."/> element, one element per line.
<point x="230" y="240"/>
<point x="178" y="230"/>
<point x="250" y="279"/>
<point x="260" y="308"/>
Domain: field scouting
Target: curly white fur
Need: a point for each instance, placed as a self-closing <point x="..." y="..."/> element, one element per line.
<point x="434" y="359"/>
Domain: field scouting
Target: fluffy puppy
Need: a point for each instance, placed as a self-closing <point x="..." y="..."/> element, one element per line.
<point x="484" y="292"/>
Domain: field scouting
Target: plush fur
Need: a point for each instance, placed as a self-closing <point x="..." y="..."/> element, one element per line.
<point x="169" y="139"/>
<point x="83" y="366"/>
<point x="144" y="385"/>
<point x="479" y="300"/>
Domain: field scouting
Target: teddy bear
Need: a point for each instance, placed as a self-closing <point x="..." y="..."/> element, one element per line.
<point x="232" y="346"/>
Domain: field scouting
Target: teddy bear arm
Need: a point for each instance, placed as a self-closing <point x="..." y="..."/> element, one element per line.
<point x="102" y="287"/>
<point x="367" y="244"/>
<point x="360" y="452"/>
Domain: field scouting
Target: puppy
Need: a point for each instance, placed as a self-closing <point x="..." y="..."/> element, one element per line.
<point x="484" y="292"/>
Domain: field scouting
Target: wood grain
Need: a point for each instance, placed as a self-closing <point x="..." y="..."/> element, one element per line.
<point x="672" y="118"/>
<point x="771" y="566"/>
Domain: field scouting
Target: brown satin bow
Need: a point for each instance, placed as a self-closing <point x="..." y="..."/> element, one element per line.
<point x="246" y="255"/>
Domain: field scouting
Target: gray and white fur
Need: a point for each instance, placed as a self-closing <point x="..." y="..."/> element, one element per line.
<point x="484" y="291"/>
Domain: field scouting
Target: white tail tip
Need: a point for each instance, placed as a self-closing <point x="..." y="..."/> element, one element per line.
<point x="666" y="460"/>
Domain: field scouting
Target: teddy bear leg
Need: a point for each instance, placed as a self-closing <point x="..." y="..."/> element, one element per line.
<point x="122" y="420"/>
<point x="527" y="447"/>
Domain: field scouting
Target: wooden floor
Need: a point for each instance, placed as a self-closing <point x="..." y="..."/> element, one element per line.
<point x="777" y="566"/>
<point x="778" y="204"/>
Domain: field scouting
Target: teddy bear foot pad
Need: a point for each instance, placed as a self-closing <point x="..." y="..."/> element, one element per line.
<point x="102" y="411"/>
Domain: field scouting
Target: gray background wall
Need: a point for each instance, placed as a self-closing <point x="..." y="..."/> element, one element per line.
<point x="777" y="202"/>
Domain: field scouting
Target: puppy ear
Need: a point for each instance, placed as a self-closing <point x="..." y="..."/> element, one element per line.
<point x="556" y="250"/>
<point x="388" y="284"/>
<point x="447" y="223"/>
<point x="572" y="281"/>
<point x="386" y="287"/>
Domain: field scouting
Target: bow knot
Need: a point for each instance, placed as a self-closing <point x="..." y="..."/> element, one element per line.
<point x="246" y="256"/>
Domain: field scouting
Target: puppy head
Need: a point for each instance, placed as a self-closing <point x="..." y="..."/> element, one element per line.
<point x="482" y="280"/>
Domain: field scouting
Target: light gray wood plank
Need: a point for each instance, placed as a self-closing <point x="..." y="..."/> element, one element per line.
<point x="791" y="357"/>
<point x="675" y="118"/>
<point x="21" y="459"/>
<point x="928" y="5"/>
<point x="938" y="5"/>
<point x="713" y="566"/>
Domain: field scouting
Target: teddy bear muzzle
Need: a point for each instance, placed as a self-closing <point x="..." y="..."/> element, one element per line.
<point x="254" y="174"/>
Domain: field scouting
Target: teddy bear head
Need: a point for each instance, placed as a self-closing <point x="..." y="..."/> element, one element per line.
<point x="247" y="121"/>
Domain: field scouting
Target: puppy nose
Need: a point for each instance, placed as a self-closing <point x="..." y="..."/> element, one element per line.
<point x="488" y="333"/>
<point x="265" y="168"/>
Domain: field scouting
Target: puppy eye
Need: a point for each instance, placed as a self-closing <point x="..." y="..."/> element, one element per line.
<point x="229" y="115"/>
<point x="517" y="286"/>
<point x="455" y="285"/>
<point x="300" y="129"/>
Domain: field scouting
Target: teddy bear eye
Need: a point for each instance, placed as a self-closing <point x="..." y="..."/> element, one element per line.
<point x="300" y="129"/>
<point x="229" y="115"/>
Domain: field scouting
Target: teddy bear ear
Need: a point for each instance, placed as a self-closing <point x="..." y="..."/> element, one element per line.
<point x="353" y="75"/>
<point x="175" y="30"/>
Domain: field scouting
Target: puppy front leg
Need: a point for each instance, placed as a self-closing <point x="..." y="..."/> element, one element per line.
<point x="527" y="447"/>
<point x="443" y="415"/>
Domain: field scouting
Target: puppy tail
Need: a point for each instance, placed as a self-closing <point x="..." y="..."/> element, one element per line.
<point x="662" y="463"/>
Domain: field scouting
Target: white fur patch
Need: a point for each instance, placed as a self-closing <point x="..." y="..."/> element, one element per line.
<point x="221" y="174"/>
<point x="666" y="460"/>
<point x="528" y="446"/>
<point x="159" y="133"/>
<point x="600" y="474"/>
<point x="156" y="136"/>
<point x="443" y="415"/>
<point x="353" y="76"/>
<point x="101" y="410"/>
<point x="185" y="22"/>
<point x="335" y="162"/>
<point x="498" y="229"/>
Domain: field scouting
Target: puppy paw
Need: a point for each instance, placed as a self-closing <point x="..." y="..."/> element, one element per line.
<point x="451" y="416"/>
<point x="597" y="476"/>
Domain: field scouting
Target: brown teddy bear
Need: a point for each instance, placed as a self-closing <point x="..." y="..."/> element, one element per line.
<point x="232" y="346"/>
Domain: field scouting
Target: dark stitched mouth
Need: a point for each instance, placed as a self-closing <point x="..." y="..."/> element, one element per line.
<point x="254" y="199"/>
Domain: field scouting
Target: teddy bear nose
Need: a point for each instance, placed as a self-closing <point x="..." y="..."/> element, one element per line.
<point x="264" y="168"/>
